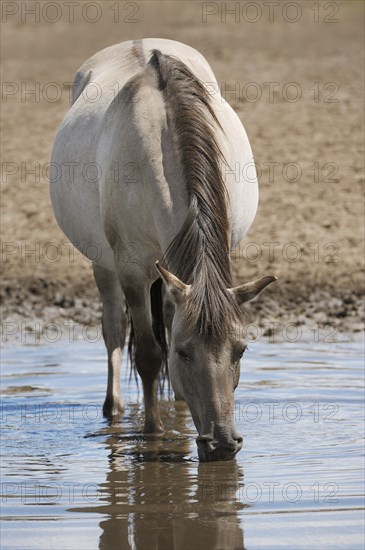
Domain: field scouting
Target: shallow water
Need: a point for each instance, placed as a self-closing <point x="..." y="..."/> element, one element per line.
<point x="70" y="480"/>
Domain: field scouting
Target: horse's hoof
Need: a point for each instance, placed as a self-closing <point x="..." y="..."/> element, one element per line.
<point x="154" y="429"/>
<point x="113" y="409"/>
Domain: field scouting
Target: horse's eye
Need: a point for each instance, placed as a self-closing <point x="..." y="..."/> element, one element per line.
<point x="183" y="355"/>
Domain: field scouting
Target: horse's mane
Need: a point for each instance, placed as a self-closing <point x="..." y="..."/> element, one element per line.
<point x="199" y="254"/>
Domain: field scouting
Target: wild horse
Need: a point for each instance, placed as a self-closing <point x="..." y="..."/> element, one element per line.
<point x="149" y="168"/>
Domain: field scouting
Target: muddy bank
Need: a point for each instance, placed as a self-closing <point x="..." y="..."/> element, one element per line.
<point x="43" y="311"/>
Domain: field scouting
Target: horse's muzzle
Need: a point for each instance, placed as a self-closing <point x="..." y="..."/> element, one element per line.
<point x="210" y="449"/>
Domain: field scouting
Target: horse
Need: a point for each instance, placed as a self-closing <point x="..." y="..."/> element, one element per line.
<point x="147" y="170"/>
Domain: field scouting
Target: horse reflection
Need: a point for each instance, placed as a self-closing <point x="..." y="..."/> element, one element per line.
<point x="157" y="498"/>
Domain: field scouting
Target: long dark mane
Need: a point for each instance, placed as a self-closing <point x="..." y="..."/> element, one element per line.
<point x="199" y="254"/>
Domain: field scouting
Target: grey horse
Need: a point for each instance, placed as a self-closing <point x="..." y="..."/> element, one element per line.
<point x="149" y="168"/>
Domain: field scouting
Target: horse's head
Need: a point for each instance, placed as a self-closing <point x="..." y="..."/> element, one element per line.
<point x="205" y="371"/>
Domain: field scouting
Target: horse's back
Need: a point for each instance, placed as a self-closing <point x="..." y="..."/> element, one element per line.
<point x="76" y="174"/>
<point x="121" y="61"/>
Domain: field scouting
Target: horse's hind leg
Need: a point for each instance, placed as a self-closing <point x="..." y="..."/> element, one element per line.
<point x="114" y="331"/>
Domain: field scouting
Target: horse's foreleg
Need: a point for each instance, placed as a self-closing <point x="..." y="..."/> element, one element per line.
<point x="148" y="356"/>
<point x="114" y="331"/>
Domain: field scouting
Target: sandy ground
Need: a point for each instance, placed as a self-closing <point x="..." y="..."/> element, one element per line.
<point x="297" y="87"/>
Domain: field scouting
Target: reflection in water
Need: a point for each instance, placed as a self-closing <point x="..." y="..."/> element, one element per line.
<point x="72" y="481"/>
<point x="162" y="500"/>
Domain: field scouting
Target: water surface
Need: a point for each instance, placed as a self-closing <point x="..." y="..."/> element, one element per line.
<point x="72" y="481"/>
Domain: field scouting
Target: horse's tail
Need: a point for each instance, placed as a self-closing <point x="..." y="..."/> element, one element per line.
<point x="159" y="331"/>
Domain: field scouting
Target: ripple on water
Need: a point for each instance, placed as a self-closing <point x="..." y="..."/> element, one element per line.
<point x="72" y="480"/>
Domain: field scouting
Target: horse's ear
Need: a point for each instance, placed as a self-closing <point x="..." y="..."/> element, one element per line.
<point x="178" y="290"/>
<point x="248" y="291"/>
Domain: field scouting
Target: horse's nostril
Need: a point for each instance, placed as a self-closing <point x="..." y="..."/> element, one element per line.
<point x="208" y="441"/>
<point x="212" y="445"/>
<point x="218" y="449"/>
